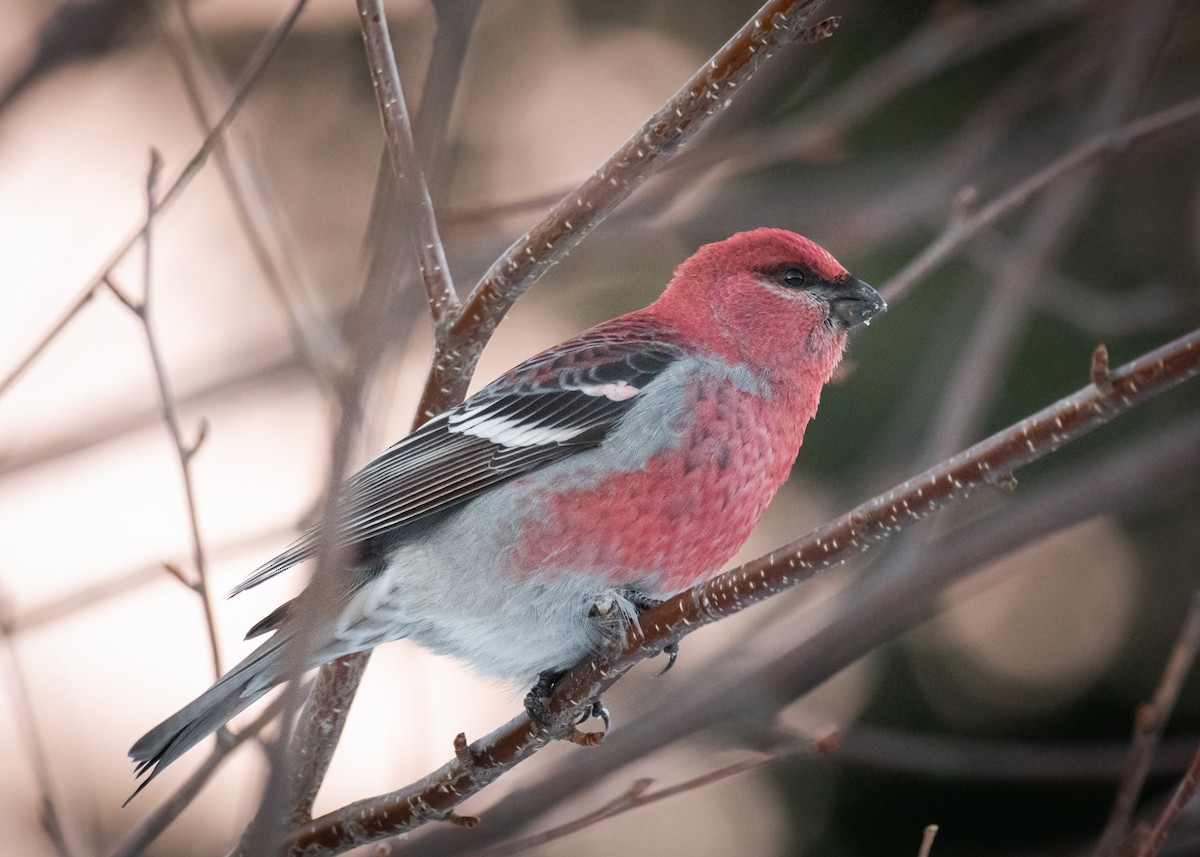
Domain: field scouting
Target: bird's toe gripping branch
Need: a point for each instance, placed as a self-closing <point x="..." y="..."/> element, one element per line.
<point x="537" y="706"/>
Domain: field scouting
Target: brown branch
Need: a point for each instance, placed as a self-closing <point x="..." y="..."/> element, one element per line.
<point x="460" y="344"/>
<point x="397" y="132"/>
<point x="1149" y="722"/>
<point x="872" y="522"/>
<point x="1104" y="144"/>
<point x="777" y="23"/>
<point x="638" y="794"/>
<point x="1173" y="810"/>
<point x="323" y="718"/>
<point x="1131" y="481"/>
<point x="254" y="70"/>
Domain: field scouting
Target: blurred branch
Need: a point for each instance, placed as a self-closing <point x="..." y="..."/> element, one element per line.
<point x="1173" y="810"/>
<point x="320" y="725"/>
<point x="1133" y="36"/>
<point x="75" y="30"/>
<point x="814" y="133"/>
<point x="927" y="837"/>
<point x="170" y="412"/>
<point x="35" y="744"/>
<point x="986" y="463"/>
<point x="961" y="230"/>
<point x="638" y="794"/>
<point x="315" y="340"/>
<point x="1149" y="723"/>
<point x="397" y="131"/>
<point x="246" y="83"/>
<point x="950" y="758"/>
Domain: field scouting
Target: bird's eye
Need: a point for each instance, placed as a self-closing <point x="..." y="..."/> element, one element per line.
<point x="793" y="278"/>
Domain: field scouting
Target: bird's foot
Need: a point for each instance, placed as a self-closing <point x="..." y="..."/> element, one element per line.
<point x="644" y="602"/>
<point x="591" y="739"/>
<point x="537" y="701"/>
<point x="537" y="706"/>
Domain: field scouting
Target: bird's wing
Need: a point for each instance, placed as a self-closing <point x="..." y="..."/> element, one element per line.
<point x="549" y="407"/>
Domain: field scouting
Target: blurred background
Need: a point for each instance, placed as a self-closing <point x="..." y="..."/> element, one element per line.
<point x="1003" y="718"/>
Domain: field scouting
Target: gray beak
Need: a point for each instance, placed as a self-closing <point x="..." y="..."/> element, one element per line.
<point x="853" y="302"/>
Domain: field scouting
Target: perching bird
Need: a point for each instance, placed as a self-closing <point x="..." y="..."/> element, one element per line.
<point x="524" y="528"/>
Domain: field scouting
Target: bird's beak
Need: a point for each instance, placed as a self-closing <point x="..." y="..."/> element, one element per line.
<point x="853" y="301"/>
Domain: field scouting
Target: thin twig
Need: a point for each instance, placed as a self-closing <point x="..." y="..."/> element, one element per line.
<point x="397" y="132"/>
<point x="638" y="794"/>
<point x="1173" y="810"/>
<point x="872" y="522"/>
<point x="1104" y="144"/>
<point x="170" y="412"/>
<point x="927" y="840"/>
<point x="254" y="69"/>
<point x="316" y="340"/>
<point x="1148" y="727"/>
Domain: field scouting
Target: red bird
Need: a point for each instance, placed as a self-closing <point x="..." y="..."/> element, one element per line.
<point x="526" y="527"/>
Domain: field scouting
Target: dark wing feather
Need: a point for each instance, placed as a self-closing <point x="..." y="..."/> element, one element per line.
<point x="546" y="409"/>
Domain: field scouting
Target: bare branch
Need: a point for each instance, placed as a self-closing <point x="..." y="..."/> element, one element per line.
<point x="1149" y="723"/>
<point x="316" y="340"/>
<point x="170" y="412"/>
<point x="1105" y="144"/>
<point x="872" y="522"/>
<point x="254" y="70"/>
<point x="638" y="794"/>
<point x="777" y="23"/>
<point x="1173" y="810"/>
<point x="397" y="131"/>
<point x="927" y="840"/>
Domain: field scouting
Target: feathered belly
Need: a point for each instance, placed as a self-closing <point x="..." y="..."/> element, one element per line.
<point x="677" y="516"/>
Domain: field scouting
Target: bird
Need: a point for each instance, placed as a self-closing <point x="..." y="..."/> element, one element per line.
<point x="527" y="527"/>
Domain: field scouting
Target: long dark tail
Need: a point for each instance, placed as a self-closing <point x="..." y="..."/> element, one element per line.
<point x="248" y="681"/>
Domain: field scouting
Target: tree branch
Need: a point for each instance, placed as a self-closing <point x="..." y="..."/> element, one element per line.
<point x="986" y="463"/>
<point x="250" y="77"/>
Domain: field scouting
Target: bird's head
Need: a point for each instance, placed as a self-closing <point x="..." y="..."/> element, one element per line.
<point x="770" y="298"/>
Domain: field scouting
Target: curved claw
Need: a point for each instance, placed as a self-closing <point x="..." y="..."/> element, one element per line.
<point x="671" y="650"/>
<point x="600" y="711"/>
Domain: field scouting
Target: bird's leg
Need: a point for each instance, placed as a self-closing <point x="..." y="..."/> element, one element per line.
<point x="538" y="699"/>
<point x="537" y="707"/>
<point x="644" y="602"/>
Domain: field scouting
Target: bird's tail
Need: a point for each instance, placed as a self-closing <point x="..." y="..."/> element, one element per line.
<point x="240" y="687"/>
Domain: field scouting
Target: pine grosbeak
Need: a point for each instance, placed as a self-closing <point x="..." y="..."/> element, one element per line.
<point x="523" y="529"/>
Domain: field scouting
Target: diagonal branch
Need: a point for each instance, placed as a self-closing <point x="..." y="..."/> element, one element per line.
<point x="1149" y="723"/>
<point x="778" y="23"/>
<point x="960" y="230"/>
<point x="987" y="463"/>
<point x="253" y="72"/>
